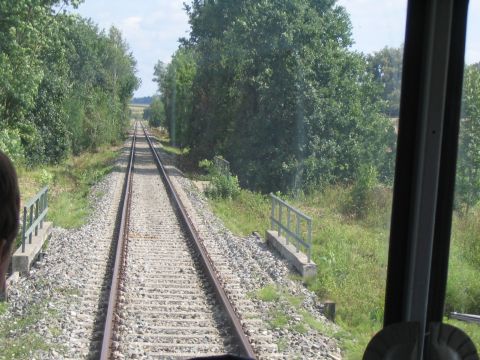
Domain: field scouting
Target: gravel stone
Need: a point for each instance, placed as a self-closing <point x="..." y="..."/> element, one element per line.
<point x="66" y="285"/>
<point x="247" y="264"/>
<point x="66" y="288"/>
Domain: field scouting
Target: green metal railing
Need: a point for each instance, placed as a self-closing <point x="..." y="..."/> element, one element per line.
<point x="34" y="213"/>
<point x="222" y="165"/>
<point x="296" y="225"/>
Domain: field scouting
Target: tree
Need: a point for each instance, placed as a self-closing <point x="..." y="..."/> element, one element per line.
<point x="175" y="86"/>
<point x="278" y="93"/>
<point x="64" y="85"/>
<point x="155" y="113"/>
<point x="24" y="27"/>
<point x="386" y="67"/>
<point x="468" y="168"/>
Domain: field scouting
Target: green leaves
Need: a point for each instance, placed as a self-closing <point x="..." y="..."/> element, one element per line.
<point x="64" y="85"/>
<point x="273" y="86"/>
<point x="386" y="68"/>
<point x="175" y="83"/>
<point x="468" y="166"/>
<point x="155" y="113"/>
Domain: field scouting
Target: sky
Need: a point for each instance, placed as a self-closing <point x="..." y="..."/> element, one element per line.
<point x="152" y="28"/>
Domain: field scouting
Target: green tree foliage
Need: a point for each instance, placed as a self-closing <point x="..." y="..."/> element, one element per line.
<point x="277" y="91"/>
<point x="155" y="113"/>
<point x="64" y="85"/>
<point x="362" y="191"/>
<point x="386" y="67"/>
<point x="175" y="83"/>
<point x="145" y="100"/>
<point x="222" y="183"/>
<point x="468" y="167"/>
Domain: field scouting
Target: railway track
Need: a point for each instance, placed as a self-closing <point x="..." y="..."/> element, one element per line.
<point x="465" y="317"/>
<point x="165" y="300"/>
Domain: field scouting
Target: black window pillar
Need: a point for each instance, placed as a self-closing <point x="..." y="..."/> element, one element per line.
<point x="426" y="161"/>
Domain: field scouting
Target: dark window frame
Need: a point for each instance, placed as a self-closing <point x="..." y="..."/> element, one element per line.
<point x="425" y="169"/>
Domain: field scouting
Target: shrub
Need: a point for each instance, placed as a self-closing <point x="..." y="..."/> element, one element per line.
<point x="469" y="236"/>
<point x="11" y="144"/>
<point x="361" y="194"/>
<point x="222" y="185"/>
<point x="463" y="288"/>
<point x="46" y="177"/>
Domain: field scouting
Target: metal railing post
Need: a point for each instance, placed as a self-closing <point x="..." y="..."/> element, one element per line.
<point x="279" y="219"/>
<point x="24" y="228"/>
<point x="297" y="232"/>
<point x="42" y="207"/>
<point x="36" y="214"/>
<point x="309" y="255"/>
<point x="288" y="224"/>
<point x="272" y="216"/>
<point x="30" y="223"/>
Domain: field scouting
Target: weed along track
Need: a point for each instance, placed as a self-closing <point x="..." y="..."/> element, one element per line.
<point x="165" y="300"/>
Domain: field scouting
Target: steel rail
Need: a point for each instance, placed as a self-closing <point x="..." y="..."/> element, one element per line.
<point x="246" y="347"/>
<point x="119" y="255"/>
<point x="465" y="317"/>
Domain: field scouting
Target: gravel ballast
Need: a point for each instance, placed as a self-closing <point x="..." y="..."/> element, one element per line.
<point x="249" y="266"/>
<point x="63" y="296"/>
<point x="56" y="311"/>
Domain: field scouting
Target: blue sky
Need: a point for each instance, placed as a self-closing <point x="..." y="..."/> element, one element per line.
<point x="152" y="28"/>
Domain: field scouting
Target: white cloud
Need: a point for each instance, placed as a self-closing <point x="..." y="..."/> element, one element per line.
<point x="376" y="24"/>
<point x="151" y="29"/>
<point x="131" y="24"/>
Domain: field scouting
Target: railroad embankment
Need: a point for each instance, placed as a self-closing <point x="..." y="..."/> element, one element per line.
<point x="51" y="312"/>
<point x="265" y="288"/>
<point x="351" y="254"/>
<point x="56" y="311"/>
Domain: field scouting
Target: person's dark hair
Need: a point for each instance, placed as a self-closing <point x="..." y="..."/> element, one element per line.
<point x="9" y="204"/>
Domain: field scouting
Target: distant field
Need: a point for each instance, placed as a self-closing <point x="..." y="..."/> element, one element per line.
<point x="142" y="106"/>
<point x="137" y="110"/>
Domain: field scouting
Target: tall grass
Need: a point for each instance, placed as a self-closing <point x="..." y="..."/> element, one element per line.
<point x="351" y="253"/>
<point x="69" y="184"/>
<point x="463" y="288"/>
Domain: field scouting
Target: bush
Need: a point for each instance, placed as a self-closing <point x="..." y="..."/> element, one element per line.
<point x="463" y="288"/>
<point x="11" y="144"/>
<point x="361" y="194"/>
<point x="222" y="185"/>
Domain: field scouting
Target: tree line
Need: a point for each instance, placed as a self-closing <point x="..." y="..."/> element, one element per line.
<point x="65" y="84"/>
<point x="274" y="88"/>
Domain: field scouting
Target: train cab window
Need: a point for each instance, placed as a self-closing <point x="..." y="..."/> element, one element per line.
<point x="462" y="303"/>
<point x="275" y="195"/>
<point x="421" y="254"/>
<point x="352" y="206"/>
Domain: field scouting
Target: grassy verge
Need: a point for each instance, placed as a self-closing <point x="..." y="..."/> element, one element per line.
<point x="248" y="212"/>
<point x="18" y="340"/>
<point x="278" y="317"/>
<point x="69" y="184"/>
<point x="162" y="136"/>
<point x="351" y="258"/>
<point x="351" y="255"/>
